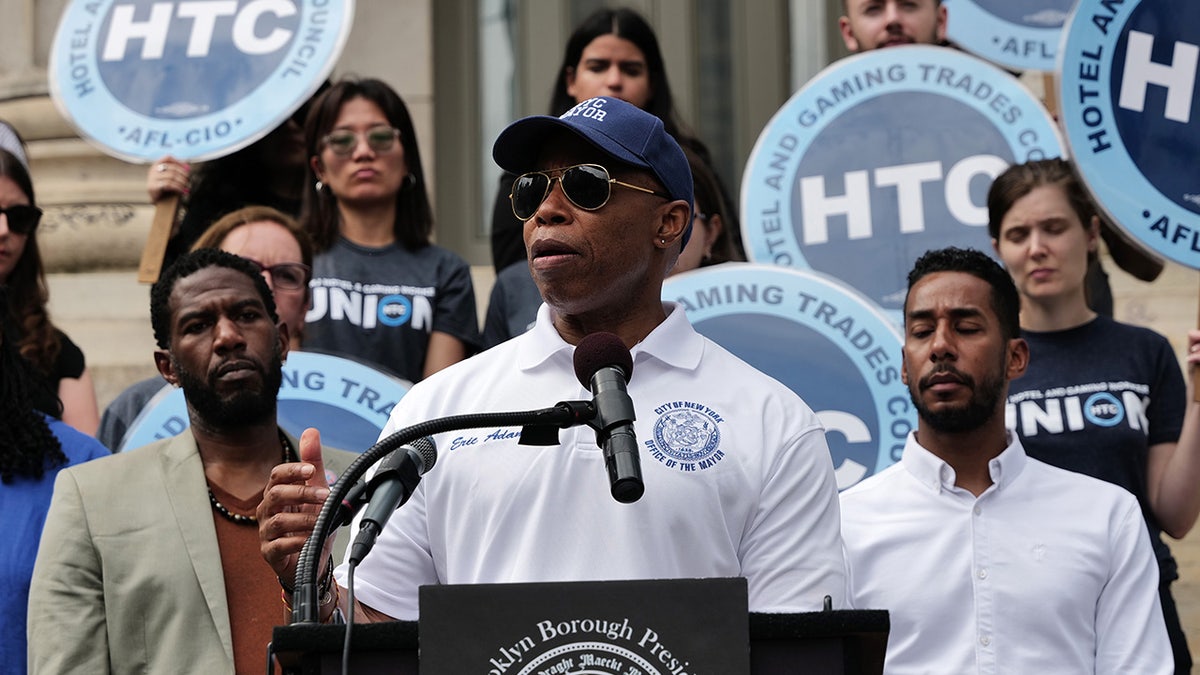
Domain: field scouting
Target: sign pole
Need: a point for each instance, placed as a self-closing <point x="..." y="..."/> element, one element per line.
<point x="165" y="211"/>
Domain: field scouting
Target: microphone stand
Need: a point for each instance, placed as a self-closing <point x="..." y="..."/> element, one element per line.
<point x="538" y="428"/>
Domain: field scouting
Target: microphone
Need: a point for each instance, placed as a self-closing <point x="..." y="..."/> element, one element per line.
<point x="390" y="487"/>
<point x="604" y="365"/>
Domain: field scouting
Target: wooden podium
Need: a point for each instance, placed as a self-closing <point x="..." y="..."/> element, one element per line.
<point x="491" y="628"/>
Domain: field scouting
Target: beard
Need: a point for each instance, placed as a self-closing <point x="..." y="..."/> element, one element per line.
<point x="244" y="407"/>
<point x="973" y="414"/>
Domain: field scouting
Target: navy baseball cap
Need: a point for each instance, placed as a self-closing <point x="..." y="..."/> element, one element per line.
<point x="619" y="129"/>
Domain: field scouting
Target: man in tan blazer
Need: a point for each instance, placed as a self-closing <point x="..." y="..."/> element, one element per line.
<point x="149" y="561"/>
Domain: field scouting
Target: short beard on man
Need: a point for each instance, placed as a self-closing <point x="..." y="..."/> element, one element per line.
<point x="241" y="408"/>
<point x="977" y="412"/>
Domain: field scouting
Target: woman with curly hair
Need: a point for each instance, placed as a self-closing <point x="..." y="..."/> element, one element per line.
<point x="33" y="448"/>
<point x="71" y="396"/>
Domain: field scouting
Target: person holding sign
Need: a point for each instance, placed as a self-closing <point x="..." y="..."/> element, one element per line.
<point x="1100" y="397"/>
<point x="739" y="480"/>
<point x="876" y="24"/>
<point x="269" y="172"/>
<point x="381" y="290"/>
<point x="990" y="561"/>
<point x="71" y="396"/>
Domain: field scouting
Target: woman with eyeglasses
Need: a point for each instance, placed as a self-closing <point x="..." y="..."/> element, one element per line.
<point x="381" y="291"/>
<point x="53" y="355"/>
<point x="269" y="172"/>
<point x="283" y="252"/>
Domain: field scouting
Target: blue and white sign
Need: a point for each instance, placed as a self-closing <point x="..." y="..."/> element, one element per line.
<point x="821" y="339"/>
<point x="348" y="401"/>
<point x="196" y="79"/>
<point x="1129" y="107"/>
<point x="1019" y="34"/>
<point x="883" y="156"/>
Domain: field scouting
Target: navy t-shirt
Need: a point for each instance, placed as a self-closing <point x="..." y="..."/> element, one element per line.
<point x="1094" y="399"/>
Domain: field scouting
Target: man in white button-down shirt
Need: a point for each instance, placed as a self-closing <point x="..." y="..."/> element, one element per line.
<point x="990" y="561"/>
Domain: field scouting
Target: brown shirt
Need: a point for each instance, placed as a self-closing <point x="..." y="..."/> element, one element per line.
<point x="251" y="589"/>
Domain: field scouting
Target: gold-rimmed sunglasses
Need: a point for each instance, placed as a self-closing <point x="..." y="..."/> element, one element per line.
<point x="588" y="186"/>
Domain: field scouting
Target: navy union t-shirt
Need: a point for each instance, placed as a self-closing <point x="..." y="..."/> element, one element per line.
<point x="1094" y="399"/>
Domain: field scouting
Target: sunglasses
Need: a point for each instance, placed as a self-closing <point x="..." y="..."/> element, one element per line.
<point x="343" y="141"/>
<point x="588" y="186"/>
<point x="287" y="276"/>
<point x="22" y="218"/>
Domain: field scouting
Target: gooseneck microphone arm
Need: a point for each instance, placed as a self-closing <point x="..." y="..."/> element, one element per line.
<point x="305" y="604"/>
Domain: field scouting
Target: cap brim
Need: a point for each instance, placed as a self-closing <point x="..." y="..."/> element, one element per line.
<point x="519" y="147"/>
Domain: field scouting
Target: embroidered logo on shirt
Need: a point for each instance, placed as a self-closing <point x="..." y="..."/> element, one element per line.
<point x="687" y="436"/>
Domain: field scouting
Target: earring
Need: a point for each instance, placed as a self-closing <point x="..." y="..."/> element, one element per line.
<point x="319" y="186"/>
<point x="662" y="241"/>
<point x="410" y="180"/>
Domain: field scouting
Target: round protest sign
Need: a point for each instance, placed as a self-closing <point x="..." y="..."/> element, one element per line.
<point x="348" y="401"/>
<point x="883" y="156"/>
<point x="820" y="338"/>
<point x="1019" y="34"/>
<point x="1129" y="109"/>
<point x="196" y="79"/>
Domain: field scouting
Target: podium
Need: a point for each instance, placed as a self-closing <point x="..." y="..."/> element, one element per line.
<point x="663" y="626"/>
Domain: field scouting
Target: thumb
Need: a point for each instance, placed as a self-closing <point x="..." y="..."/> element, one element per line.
<point x="310" y="452"/>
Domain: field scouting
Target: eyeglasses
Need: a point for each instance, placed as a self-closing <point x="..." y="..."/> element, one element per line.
<point x="343" y="141"/>
<point x="287" y="276"/>
<point x="22" y="218"/>
<point x="588" y="186"/>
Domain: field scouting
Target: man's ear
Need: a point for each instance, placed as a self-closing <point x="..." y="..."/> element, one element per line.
<point x="1018" y="358"/>
<point x="166" y="367"/>
<point x="675" y="218"/>
<point x="848" y="34"/>
<point x="285" y="340"/>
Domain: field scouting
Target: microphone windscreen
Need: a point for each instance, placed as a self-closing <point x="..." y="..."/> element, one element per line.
<point x="597" y="350"/>
<point x="427" y="449"/>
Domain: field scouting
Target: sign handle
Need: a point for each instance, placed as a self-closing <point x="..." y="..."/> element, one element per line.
<point x="1050" y="94"/>
<point x="165" y="211"/>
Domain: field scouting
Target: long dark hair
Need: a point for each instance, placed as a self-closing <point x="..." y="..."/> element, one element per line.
<point x="27" y="446"/>
<point x="319" y="211"/>
<point x="629" y="25"/>
<point x="28" y="294"/>
<point x="710" y="200"/>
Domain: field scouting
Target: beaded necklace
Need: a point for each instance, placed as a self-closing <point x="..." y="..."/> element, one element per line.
<point x="288" y="456"/>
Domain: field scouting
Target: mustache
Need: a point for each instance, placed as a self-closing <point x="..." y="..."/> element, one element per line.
<point x="240" y="362"/>
<point x="941" y="371"/>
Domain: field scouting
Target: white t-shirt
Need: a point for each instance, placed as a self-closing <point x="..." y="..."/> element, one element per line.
<point x="738" y="477"/>
<point x="1047" y="571"/>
